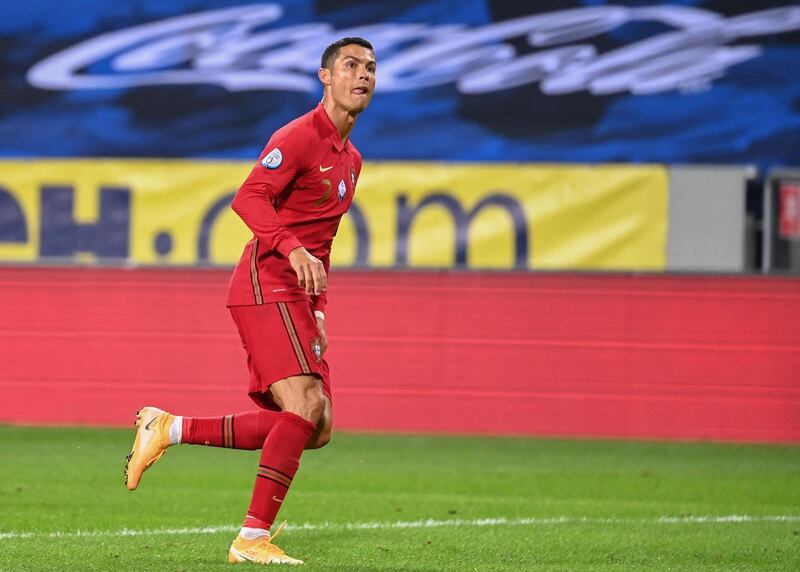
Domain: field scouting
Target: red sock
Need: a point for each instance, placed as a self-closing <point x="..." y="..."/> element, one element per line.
<point x="246" y="430"/>
<point x="280" y="458"/>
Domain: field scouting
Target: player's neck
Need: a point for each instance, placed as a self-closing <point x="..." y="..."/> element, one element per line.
<point x="342" y="119"/>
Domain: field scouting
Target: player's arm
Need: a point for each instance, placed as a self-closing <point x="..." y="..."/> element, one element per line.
<point x="254" y="202"/>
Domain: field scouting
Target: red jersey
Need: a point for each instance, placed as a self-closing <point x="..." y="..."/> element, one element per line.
<point x="295" y="196"/>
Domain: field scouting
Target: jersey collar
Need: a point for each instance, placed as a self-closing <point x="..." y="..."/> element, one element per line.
<point x="328" y="129"/>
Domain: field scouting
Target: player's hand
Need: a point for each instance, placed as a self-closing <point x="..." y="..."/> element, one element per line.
<point x="309" y="269"/>
<point x="323" y="335"/>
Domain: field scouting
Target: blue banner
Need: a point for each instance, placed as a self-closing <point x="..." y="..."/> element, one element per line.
<point x="474" y="80"/>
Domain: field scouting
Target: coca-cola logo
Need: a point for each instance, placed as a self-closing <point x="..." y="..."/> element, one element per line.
<point x="244" y="48"/>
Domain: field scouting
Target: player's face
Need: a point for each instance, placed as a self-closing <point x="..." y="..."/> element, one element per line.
<point x="353" y="78"/>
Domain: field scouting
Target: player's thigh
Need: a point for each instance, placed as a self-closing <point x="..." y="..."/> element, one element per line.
<point x="300" y="394"/>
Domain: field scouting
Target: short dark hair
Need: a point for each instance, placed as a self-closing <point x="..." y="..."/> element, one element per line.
<point x="330" y="53"/>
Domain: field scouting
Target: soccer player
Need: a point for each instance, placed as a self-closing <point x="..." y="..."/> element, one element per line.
<point x="292" y="200"/>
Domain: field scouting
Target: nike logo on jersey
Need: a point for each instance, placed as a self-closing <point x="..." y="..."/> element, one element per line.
<point x="323" y="169"/>
<point x="147" y="427"/>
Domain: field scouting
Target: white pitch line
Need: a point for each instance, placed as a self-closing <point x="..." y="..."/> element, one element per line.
<point x="427" y="523"/>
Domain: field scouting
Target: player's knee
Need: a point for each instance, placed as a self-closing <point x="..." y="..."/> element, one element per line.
<point x="311" y="406"/>
<point x="315" y="406"/>
<point x="322" y="435"/>
<point x="319" y="441"/>
<point x="323" y="440"/>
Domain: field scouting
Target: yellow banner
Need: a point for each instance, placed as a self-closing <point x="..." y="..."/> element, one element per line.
<point x="434" y="215"/>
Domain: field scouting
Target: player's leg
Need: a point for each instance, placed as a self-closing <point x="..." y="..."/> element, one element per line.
<point x="156" y="430"/>
<point x="246" y="430"/>
<point x="303" y="405"/>
<point x="322" y="434"/>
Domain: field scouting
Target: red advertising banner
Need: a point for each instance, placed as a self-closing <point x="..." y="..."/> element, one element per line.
<point x="622" y="356"/>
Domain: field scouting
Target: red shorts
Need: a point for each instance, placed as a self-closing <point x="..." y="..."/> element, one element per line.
<point x="281" y="340"/>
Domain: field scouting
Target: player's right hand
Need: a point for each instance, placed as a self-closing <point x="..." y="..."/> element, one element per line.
<point x="309" y="269"/>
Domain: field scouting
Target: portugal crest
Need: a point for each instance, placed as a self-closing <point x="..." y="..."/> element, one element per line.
<point x="316" y="347"/>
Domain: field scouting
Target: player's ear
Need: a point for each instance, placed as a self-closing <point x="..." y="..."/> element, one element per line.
<point x="324" y="75"/>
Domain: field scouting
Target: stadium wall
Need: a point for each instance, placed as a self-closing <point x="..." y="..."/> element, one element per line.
<point x="627" y="356"/>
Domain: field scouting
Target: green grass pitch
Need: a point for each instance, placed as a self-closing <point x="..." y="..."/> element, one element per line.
<point x="396" y="503"/>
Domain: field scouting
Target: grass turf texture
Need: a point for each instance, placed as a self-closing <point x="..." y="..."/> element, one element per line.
<point x="71" y="479"/>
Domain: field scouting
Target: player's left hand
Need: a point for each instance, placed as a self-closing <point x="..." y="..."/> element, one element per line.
<point x="323" y="335"/>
